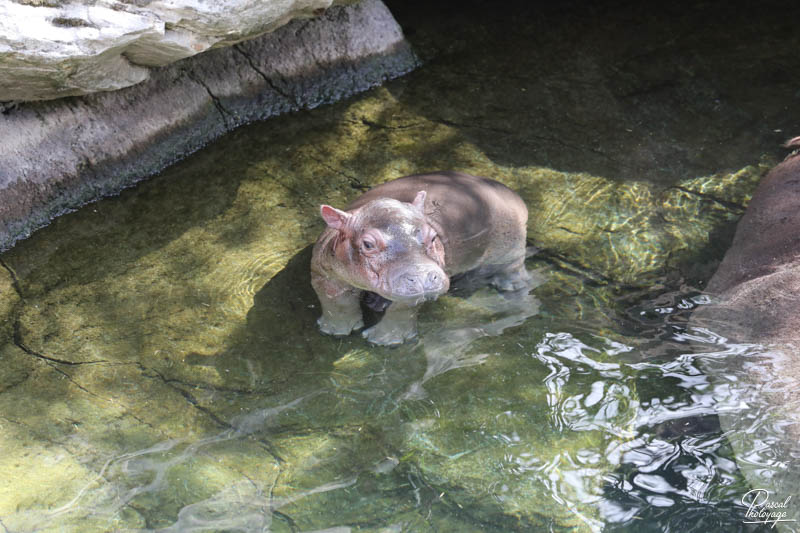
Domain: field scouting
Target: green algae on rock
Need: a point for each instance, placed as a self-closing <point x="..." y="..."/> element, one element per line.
<point x="174" y="332"/>
<point x="160" y="361"/>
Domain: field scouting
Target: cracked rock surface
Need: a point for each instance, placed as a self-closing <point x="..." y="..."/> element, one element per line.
<point x="161" y="367"/>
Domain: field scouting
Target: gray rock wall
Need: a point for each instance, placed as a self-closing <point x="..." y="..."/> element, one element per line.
<point x="60" y="154"/>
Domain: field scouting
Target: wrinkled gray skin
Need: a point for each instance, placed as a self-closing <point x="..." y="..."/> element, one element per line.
<point x="405" y="239"/>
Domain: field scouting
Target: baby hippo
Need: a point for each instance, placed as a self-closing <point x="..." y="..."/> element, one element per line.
<point x="404" y="240"/>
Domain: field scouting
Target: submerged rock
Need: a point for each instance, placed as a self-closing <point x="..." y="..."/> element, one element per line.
<point x="58" y="155"/>
<point x="757" y="291"/>
<point x="758" y="282"/>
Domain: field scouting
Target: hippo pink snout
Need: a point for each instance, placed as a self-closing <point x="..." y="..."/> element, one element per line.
<point x="418" y="283"/>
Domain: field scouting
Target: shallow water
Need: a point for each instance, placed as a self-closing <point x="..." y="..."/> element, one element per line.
<point x="162" y="370"/>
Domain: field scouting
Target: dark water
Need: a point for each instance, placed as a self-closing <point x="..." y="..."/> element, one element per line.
<point x="162" y="370"/>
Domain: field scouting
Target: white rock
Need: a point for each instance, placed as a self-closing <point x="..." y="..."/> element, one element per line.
<point x="81" y="47"/>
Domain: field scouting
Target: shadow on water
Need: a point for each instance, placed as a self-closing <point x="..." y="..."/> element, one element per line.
<point x="279" y="337"/>
<point x="623" y="90"/>
<point x="122" y="227"/>
<point x="329" y="408"/>
<point x="348" y="399"/>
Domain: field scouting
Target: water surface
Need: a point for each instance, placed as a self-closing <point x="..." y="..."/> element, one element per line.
<point x="161" y="366"/>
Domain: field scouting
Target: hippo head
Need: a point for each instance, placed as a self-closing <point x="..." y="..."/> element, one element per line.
<point x="388" y="247"/>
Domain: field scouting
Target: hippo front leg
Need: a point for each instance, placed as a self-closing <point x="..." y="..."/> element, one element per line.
<point x="398" y="325"/>
<point x="341" y="310"/>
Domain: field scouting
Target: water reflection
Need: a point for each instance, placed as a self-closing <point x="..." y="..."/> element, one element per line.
<point x="482" y="426"/>
<point x="446" y="348"/>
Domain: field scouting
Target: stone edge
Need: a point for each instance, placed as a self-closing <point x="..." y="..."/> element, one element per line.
<point x="59" y="155"/>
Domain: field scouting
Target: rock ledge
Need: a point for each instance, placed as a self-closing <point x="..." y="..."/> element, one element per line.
<point x="53" y="48"/>
<point x="60" y="154"/>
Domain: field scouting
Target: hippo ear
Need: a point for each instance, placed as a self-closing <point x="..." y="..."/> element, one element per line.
<point x="334" y="218"/>
<point x="419" y="201"/>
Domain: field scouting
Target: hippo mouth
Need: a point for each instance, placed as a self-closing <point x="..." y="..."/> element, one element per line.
<point x="379" y="303"/>
<point x="417" y="284"/>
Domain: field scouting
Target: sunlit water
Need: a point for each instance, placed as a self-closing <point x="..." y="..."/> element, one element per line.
<point x="161" y="367"/>
<point x="554" y="425"/>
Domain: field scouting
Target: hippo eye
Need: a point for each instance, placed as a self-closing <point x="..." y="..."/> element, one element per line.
<point x="425" y="236"/>
<point x="431" y="238"/>
<point x="434" y="248"/>
<point x="369" y="245"/>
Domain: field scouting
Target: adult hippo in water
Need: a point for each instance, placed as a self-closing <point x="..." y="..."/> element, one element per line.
<point x="402" y="242"/>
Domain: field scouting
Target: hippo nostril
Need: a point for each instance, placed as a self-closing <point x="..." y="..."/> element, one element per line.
<point x="420" y="280"/>
<point x="411" y="282"/>
<point x="433" y="281"/>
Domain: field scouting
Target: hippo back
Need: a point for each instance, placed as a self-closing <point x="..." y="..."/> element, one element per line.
<point x="477" y="218"/>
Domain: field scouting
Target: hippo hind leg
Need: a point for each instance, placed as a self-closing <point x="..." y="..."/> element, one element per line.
<point x="504" y="277"/>
<point x="511" y="277"/>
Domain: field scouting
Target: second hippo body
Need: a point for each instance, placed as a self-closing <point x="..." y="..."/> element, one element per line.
<point x="406" y="238"/>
